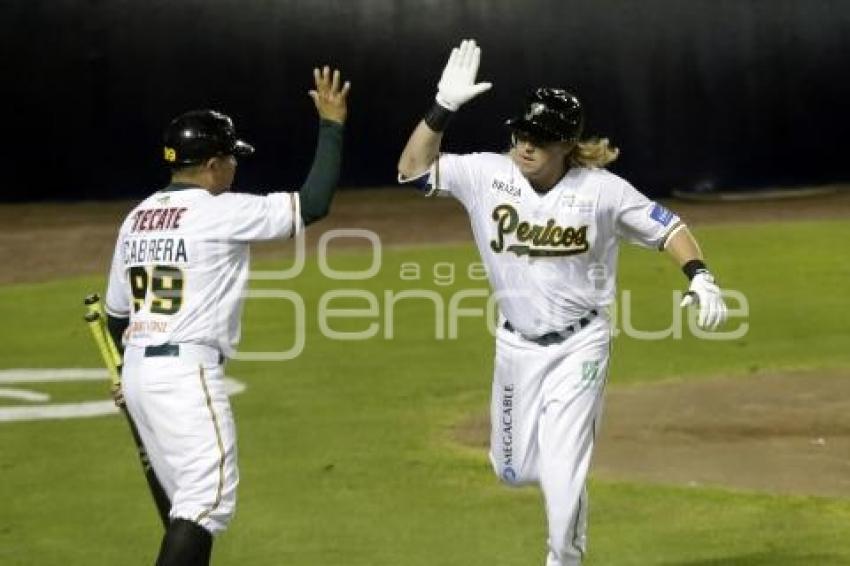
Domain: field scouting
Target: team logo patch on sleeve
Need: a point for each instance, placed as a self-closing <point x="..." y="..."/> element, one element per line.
<point x="661" y="215"/>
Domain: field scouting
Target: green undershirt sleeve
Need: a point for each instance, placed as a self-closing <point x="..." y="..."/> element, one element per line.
<point x="116" y="327"/>
<point x="318" y="190"/>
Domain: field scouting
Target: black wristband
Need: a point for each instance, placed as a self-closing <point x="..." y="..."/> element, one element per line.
<point x="694" y="267"/>
<point x="438" y="117"/>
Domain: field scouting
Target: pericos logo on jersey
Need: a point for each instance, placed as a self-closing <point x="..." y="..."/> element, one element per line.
<point x="549" y="240"/>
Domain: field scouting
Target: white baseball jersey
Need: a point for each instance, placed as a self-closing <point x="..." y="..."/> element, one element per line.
<point x="181" y="263"/>
<point x="551" y="257"/>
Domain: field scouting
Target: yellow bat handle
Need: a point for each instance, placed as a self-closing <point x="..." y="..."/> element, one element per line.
<point x="96" y="319"/>
<point x="110" y="343"/>
<point x="96" y="325"/>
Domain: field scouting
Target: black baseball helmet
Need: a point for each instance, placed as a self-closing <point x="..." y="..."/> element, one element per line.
<point x="200" y="134"/>
<point x="550" y="115"/>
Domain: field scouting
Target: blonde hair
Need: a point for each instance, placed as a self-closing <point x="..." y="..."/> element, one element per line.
<point x="592" y="153"/>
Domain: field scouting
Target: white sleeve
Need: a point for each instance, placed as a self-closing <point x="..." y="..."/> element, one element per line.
<point x="641" y="221"/>
<point x="247" y="218"/>
<point x="118" y="289"/>
<point x="454" y="175"/>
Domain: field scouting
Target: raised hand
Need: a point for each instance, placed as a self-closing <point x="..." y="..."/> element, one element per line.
<point x="329" y="98"/>
<point x="457" y="85"/>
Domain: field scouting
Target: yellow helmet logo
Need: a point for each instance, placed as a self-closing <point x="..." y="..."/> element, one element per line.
<point x="170" y="155"/>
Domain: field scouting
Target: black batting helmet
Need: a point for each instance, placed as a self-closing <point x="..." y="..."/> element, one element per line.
<point x="550" y="114"/>
<point x="200" y="134"/>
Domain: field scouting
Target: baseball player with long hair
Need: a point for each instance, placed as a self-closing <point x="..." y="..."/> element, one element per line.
<point x="175" y="296"/>
<point x="548" y="220"/>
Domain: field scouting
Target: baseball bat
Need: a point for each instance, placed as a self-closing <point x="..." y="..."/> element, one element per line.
<point x="96" y="321"/>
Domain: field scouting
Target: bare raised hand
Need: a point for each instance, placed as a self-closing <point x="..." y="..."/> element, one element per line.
<point x="329" y="98"/>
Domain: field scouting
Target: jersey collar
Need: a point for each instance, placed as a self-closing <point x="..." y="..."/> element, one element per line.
<point x="179" y="187"/>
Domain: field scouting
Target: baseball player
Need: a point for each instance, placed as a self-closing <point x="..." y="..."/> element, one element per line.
<point x="175" y="294"/>
<point x="548" y="219"/>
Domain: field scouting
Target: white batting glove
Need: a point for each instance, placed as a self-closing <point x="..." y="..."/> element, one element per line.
<point x="704" y="292"/>
<point x="457" y="85"/>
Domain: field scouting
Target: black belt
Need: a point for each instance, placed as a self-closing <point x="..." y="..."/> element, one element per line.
<point x="169" y="350"/>
<point x="559" y="336"/>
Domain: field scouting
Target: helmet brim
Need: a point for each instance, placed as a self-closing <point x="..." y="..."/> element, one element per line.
<point x="242" y="149"/>
<point x="533" y="129"/>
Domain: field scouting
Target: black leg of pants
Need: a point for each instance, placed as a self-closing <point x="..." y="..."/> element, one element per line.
<point x="185" y="543"/>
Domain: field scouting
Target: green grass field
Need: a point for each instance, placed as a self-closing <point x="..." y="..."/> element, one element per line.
<point x="346" y="452"/>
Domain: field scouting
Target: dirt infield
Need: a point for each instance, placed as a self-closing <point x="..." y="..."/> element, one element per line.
<point x="45" y="241"/>
<point x="786" y="433"/>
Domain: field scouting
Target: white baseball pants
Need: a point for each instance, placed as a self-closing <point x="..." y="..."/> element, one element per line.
<point x="184" y="419"/>
<point x="545" y="408"/>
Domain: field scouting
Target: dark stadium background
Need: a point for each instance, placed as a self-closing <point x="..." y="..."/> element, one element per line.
<point x="698" y="94"/>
